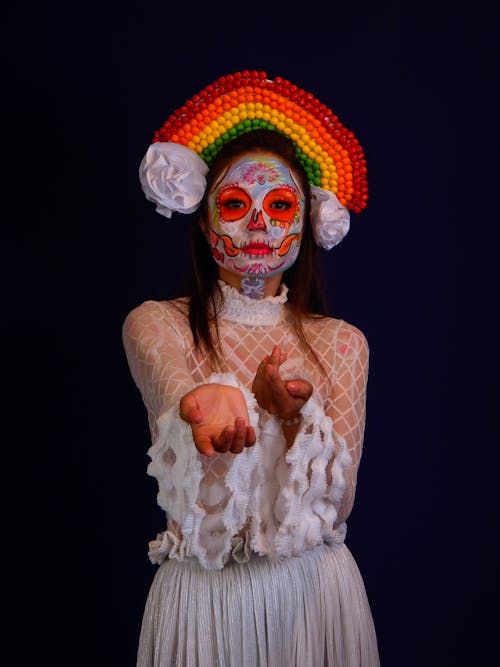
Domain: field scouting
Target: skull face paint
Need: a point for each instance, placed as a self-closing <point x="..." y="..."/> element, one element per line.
<point x="256" y="215"/>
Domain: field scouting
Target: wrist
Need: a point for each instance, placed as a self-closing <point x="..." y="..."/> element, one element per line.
<point x="290" y="421"/>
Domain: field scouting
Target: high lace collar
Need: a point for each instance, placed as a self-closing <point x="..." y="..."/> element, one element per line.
<point x="237" y="307"/>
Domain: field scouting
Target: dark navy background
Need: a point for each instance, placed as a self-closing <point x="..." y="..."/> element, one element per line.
<point x="85" y="87"/>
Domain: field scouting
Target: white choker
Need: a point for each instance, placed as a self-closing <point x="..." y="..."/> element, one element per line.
<point x="237" y="307"/>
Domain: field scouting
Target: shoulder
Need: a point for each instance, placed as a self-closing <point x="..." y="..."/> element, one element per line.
<point x="154" y="316"/>
<point x="341" y="335"/>
<point x="351" y="342"/>
<point x="318" y="325"/>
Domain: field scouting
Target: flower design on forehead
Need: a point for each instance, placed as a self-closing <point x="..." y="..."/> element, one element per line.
<point x="260" y="173"/>
<point x="330" y="154"/>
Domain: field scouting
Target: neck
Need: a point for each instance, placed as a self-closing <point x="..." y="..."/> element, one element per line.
<point x="257" y="288"/>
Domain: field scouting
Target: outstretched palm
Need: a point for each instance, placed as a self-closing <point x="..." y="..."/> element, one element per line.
<point x="218" y="416"/>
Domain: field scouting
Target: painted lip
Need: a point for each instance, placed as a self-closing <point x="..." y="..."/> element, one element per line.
<point x="257" y="249"/>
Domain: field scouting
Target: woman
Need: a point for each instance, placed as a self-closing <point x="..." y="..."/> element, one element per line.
<point x="256" y="404"/>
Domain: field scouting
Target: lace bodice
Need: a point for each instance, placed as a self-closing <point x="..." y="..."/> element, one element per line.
<point x="267" y="499"/>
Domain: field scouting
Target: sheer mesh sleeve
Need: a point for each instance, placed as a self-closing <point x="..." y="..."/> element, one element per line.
<point x="206" y="498"/>
<point x="157" y="362"/>
<point x="348" y="404"/>
<point x="317" y="475"/>
<point x="278" y="501"/>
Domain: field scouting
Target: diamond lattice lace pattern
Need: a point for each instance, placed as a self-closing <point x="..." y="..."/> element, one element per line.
<point x="165" y="366"/>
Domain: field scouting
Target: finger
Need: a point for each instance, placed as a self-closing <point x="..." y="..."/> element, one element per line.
<point x="260" y="372"/>
<point x="262" y="366"/>
<point x="204" y="445"/>
<point x="273" y="374"/>
<point x="189" y="410"/>
<point x="223" y="441"/>
<point x="275" y="356"/>
<point x="239" y="437"/>
<point x="300" y="389"/>
<point x="250" y="437"/>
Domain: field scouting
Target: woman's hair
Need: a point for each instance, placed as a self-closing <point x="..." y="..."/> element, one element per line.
<point x="304" y="279"/>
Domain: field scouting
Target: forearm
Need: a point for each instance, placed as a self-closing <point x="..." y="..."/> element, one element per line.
<point x="290" y="428"/>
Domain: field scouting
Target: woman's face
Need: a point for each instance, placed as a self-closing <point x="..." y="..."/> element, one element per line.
<point x="256" y="216"/>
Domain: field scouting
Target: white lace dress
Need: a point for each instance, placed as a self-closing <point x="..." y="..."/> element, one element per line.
<point x="253" y="569"/>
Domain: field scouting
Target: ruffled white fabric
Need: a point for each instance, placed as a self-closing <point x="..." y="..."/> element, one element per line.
<point x="306" y="506"/>
<point x="285" y="501"/>
<point x="173" y="177"/>
<point x="168" y="545"/>
<point x="178" y="467"/>
<point x="330" y="220"/>
<point x="238" y="307"/>
<point x="290" y="516"/>
<point x="238" y="561"/>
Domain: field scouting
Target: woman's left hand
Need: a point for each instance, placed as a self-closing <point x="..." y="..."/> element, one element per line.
<point x="277" y="396"/>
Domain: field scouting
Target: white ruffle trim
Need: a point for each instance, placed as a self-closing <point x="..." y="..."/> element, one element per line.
<point x="179" y="481"/>
<point x="306" y="506"/>
<point x="168" y="545"/>
<point x="237" y="307"/>
<point x="297" y="515"/>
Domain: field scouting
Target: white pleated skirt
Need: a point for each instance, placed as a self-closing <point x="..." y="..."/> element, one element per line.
<point x="307" y="611"/>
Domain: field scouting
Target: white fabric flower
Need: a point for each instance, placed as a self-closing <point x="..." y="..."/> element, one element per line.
<point x="173" y="177"/>
<point x="330" y="220"/>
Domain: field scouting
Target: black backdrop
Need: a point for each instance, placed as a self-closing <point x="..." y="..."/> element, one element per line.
<point x="85" y="87"/>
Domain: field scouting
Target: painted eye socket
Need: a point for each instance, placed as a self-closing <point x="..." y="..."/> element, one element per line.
<point x="233" y="203"/>
<point x="281" y="204"/>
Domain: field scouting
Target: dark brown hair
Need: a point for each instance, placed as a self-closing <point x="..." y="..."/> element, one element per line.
<point x="304" y="279"/>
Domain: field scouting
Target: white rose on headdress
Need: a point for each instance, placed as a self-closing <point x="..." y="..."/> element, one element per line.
<point x="330" y="220"/>
<point x="173" y="177"/>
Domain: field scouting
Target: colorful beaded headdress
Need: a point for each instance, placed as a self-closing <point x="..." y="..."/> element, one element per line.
<point x="237" y="103"/>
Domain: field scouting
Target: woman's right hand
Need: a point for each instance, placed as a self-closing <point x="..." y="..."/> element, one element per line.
<point x="279" y="397"/>
<point x="218" y="416"/>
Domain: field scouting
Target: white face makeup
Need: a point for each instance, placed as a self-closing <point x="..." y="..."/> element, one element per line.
<point x="256" y="214"/>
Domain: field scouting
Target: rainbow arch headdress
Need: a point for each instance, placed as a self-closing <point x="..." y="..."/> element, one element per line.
<point x="172" y="172"/>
